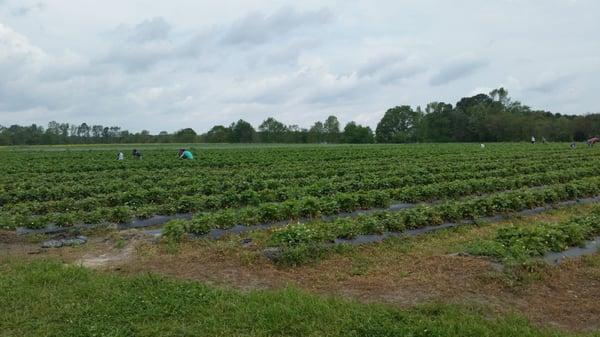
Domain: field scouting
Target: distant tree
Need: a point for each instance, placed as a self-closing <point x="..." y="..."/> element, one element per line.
<point x="115" y="131"/>
<point x="357" y="134"/>
<point x="317" y="132"/>
<point x="243" y="132"/>
<point x="219" y="134"/>
<point x="163" y="137"/>
<point x="332" y="129"/>
<point x="272" y="131"/>
<point x="186" y="135"/>
<point x="73" y="130"/>
<point x="84" y="130"/>
<point x="64" y="130"/>
<point x="97" y="131"/>
<point x="437" y="123"/>
<point x="398" y="125"/>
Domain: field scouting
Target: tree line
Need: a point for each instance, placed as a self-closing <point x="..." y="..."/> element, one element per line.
<point x="480" y="118"/>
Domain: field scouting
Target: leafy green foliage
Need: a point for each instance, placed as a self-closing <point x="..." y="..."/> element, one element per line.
<point x="519" y="243"/>
<point x="175" y="230"/>
<point x="233" y="186"/>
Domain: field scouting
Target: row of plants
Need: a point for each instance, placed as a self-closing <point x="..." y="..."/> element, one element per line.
<point x="63" y="187"/>
<point x="30" y="189"/>
<point x="519" y="243"/>
<point x="299" y="242"/>
<point x="346" y="202"/>
<point x="193" y="199"/>
<point x="319" y="231"/>
<point x="225" y="216"/>
<point x="73" y="167"/>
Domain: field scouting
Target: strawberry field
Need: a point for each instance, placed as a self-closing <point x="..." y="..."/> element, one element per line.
<point x="227" y="187"/>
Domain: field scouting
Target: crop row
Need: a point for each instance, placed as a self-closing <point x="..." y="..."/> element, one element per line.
<point x="319" y="232"/>
<point x="224" y="216"/>
<point x="124" y="181"/>
<point x="519" y="243"/>
<point x="52" y="168"/>
<point x="19" y="183"/>
<point x="307" y="208"/>
<point x="236" y="193"/>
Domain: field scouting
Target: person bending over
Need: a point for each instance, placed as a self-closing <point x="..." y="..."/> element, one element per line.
<point x="185" y="154"/>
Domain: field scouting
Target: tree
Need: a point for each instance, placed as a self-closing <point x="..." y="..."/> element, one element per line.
<point x="357" y="134"/>
<point x="316" y="134"/>
<point x="243" y="132"/>
<point x="500" y="95"/>
<point x="64" y="130"/>
<point x="83" y="130"/>
<point x="97" y="131"/>
<point x="398" y="125"/>
<point x="219" y="134"/>
<point x="73" y="130"/>
<point x="115" y="131"/>
<point x="437" y="122"/>
<point x="163" y="137"/>
<point x="186" y="135"/>
<point x="332" y="129"/>
<point x="272" y="131"/>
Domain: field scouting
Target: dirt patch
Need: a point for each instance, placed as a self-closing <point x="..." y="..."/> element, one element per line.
<point x="98" y="252"/>
<point x="107" y="259"/>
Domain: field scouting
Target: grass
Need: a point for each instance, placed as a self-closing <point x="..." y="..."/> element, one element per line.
<point x="46" y="298"/>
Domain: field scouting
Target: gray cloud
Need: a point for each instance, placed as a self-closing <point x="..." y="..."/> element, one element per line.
<point x="390" y="68"/>
<point x="457" y="70"/>
<point x="257" y="28"/>
<point x="140" y="47"/>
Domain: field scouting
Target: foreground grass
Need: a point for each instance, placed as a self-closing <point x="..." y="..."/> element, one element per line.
<point x="45" y="298"/>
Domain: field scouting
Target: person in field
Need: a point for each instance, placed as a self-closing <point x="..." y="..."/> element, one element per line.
<point x="185" y="154"/>
<point x="532" y="139"/>
<point x="592" y="141"/>
<point x="136" y="154"/>
<point x="120" y="156"/>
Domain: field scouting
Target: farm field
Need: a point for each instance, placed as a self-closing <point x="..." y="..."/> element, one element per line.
<point x="228" y="187"/>
<point x="293" y="216"/>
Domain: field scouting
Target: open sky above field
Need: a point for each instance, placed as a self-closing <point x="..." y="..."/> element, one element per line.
<point x="166" y="65"/>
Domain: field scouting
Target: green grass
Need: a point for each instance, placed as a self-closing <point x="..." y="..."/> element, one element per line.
<point x="46" y="298"/>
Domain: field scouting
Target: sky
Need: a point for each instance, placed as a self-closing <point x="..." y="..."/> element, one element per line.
<point x="168" y="65"/>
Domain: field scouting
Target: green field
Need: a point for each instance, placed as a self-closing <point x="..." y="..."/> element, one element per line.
<point x="304" y="189"/>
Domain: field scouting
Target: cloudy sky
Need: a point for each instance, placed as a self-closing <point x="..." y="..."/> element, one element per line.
<point x="166" y="65"/>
